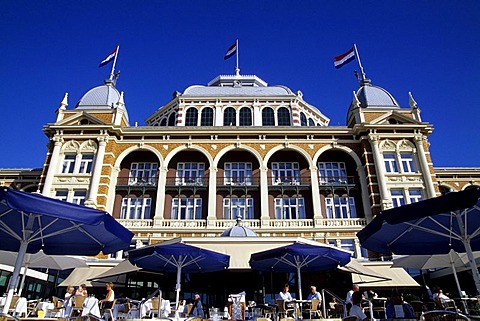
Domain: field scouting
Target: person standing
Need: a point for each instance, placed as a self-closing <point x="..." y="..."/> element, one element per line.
<point x="348" y="300"/>
<point x="285" y="295"/>
<point x="197" y="310"/>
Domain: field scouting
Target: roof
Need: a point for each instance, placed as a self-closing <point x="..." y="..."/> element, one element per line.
<point x="374" y="96"/>
<point x="238" y="230"/>
<point x="397" y="276"/>
<point x="101" y="97"/>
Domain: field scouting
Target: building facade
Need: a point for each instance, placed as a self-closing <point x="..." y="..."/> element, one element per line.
<point x="238" y="147"/>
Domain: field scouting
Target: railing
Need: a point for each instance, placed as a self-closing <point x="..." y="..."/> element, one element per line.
<point x="288" y="180"/>
<point x="224" y="224"/>
<point x="341" y="222"/>
<point x="186" y="181"/>
<point x="238" y="181"/>
<point x="137" y="181"/>
<point x="182" y="223"/>
<point x="136" y="223"/>
<point x="336" y="180"/>
<point x="275" y="223"/>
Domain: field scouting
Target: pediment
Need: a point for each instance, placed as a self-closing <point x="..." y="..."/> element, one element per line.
<point x="394" y="117"/>
<point x="80" y="118"/>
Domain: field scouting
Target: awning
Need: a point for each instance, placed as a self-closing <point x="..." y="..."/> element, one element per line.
<point x="397" y="277"/>
<point x="356" y="268"/>
<point x="30" y="272"/>
<point x="81" y="275"/>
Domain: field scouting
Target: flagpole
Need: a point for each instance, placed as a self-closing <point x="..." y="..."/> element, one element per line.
<point x="359" y="63"/>
<point x="114" y="62"/>
<point x="237" y="70"/>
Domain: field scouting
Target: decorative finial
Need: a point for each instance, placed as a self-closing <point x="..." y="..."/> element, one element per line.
<point x="120" y="102"/>
<point x="64" y="102"/>
<point x="356" y="102"/>
<point x="411" y="101"/>
<point x="237" y="71"/>
<point x="239" y="220"/>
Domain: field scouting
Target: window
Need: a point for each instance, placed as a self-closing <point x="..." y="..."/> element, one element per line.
<point x="136" y="208"/>
<point x="311" y="122"/>
<point x="414" y="195"/>
<point x="398" y="199"/>
<point x="340" y="207"/>
<point x="190" y="173"/>
<point x="143" y="173"/>
<point x="171" y="119"/>
<point x="390" y="160"/>
<point x="163" y="122"/>
<point x="408" y="164"/>
<point x="245" y="117"/>
<point x="287" y="173"/>
<point x="303" y="119"/>
<point x="268" y="118"/>
<point x="289" y="208"/>
<point x="207" y="117"/>
<point x="332" y="172"/>
<point x="191" y="118"/>
<point x="348" y="245"/>
<point x="235" y="207"/>
<point x="61" y="195"/>
<point x="283" y="116"/>
<point x="86" y="164"/>
<point x="238" y="173"/>
<point x="69" y="163"/>
<point x="186" y="208"/>
<point x="79" y="197"/>
<point x="229" y="117"/>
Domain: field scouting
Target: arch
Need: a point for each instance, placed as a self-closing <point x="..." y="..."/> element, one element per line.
<point x="71" y="145"/>
<point x="290" y="147"/>
<point x="284" y="117"/>
<point x="131" y="149"/>
<point x="405" y="145"/>
<point x="268" y="117"/>
<point x="171" y="119"/>
<point x="311" y="122"/>
<point x="470" y="185"/>
<point x="175" y="151"/>
<point x="229" y="117"/>
<point x="245" y="116"/>
<point x="227" y="149"/>
<point x="303" y="119"/>
<point x="346" y="149"/>
<point x="206" y="117"/>
<point x="447" y="187"/>
<point x="163" y="122"/>
<point x="89" y="145"/>
<point x="191" y="117"/>
<point x="387" y="145"/>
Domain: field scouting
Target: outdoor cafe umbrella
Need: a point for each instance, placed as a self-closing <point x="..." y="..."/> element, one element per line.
<point x="452" y="260"/>
<point x="298" y="257"/>
<point x="176" y="257"/>
<point x="31" y="222"/>
<point x="432" y="226"/>
<point x="41" y="260"/>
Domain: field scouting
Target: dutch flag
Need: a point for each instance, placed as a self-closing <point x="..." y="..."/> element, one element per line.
<point x="231" y="51"/>
<point x="108" y="58"/>
<point x="345" y="58"/>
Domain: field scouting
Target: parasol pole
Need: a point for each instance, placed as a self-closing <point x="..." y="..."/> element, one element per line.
<point x="178" y="285"/>
<point x="299" y="277"/>
<point x="468" y="249"/>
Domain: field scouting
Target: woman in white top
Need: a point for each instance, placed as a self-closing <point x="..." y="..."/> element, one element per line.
<point x="110" y="294"/>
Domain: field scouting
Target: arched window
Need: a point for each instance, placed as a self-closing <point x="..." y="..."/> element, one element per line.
<point x="267" y="117"/>
<point x="191" y="117"/>
<point x="245" y="117"/>
<point x="283" y="117"/>
<point x="163" y="122"/>
<point x="311" y="122"/>
<point x="171" y="119"/>
<point x="303" y="119"/>
<point x="207" y="117"/>
<point x="229" y="117"/>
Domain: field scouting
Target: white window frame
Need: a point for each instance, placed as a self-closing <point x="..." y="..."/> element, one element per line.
<point x="143" y="173"/>
<point x="290" y="208"/>
<point x="329" y="172"/>
<point x="75" y="196"/>
<point x="391" y="162"/>
<point x="79" y="197"/>
<point x="189" y="208"/>
<point x="286" y="173"/>
<point x="86" y="163"/>
<point x="68" y="165"/>
<point x="190" y="173"/>
<point x="238" y="173"/>
<point x="61" y="195"/>
<point x="407" y="161"/>
<point x="415" y="195"/>
<point x="340" y="207"/>
<point x="136" y="208"/>
<point x="234" y="207"/>
<point x="398" y="197"/>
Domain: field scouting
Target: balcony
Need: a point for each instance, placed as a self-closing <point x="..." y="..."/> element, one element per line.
<point x="243" y="183"/>
<point x="283" y="183"/>
<point x="336" y="181"/>
<point x="137" y="183"/>
<point x="186" y="183"/>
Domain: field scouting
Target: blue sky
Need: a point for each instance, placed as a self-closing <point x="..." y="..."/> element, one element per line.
<point x="430" y="48"/>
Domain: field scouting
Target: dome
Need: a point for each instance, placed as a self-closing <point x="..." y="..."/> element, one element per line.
<point x="238" y="230"/>
<point x="101" y="97"/>
<point x="374" y="96"/>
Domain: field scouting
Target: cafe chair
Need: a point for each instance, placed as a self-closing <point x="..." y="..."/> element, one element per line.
<point x="314" y="309"/>
<point x="106" y="309"/>
<point x="443" y="315"/>
<point x="282" y="310"/>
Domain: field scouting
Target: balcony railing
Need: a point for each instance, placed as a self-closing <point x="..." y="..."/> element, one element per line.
<point x="238" y="181"/>
<point x="186" y="181"/>
<point x="137" y="181"/>
<point x="336" y="180"/>
<point x="288" y="180"/>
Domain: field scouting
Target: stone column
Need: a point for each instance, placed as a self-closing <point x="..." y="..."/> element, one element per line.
<point x="257" y="114"/>
<point x="160" y="201"/>
<point x="52" y="167"/>
<point x="422" y="159"/>
<point x="317" y="207"/>
<point x="218" y="115"/>
<point x="212" y="197"/>
<point x="367" y="207"/>
<point x="380" y="170"/>
<point x="111" y="189"/>
<point x="97" y="172"/>
<point x="264" y="209"/>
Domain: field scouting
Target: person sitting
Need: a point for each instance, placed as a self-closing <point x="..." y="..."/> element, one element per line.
<point x="110" y="294"/>
<point x="439" y="298"/>
<point x="399" y="309"/>
<point x="356" y="310"/>
<point x="70" y="292"/>
<point x="284" y="294"/>
<point x="81" y="290"/>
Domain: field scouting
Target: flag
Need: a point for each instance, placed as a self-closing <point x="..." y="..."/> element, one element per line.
<point x="108" y="58"/>
<point x="231" y="51"/>
<point x="341" y="60"/>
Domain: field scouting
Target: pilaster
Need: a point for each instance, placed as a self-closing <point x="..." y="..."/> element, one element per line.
<point x="53" y="165"/>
